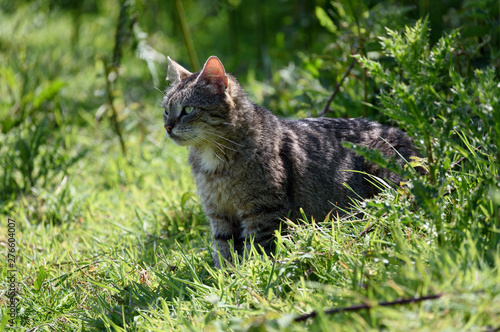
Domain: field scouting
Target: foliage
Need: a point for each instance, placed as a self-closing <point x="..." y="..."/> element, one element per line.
<point x="456" y="120"/>
<point x="30" y="160"/>
<point x="108" y="241"/>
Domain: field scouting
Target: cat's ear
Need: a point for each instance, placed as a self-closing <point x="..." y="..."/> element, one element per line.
<point x="214" y="74"/>
<point x="176" y="73"/>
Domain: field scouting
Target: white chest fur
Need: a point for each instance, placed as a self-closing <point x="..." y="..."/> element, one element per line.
<point x="210" y="161"/>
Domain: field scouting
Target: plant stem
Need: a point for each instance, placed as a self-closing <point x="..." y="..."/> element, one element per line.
<point x="187" y="35"/>
<point x="114" y="111"/>
<point x="337" y="88"/>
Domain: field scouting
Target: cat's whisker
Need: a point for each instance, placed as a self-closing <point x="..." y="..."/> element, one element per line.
<point x="196" y="139"/>
<point x="218" y="145"/>
<point x="227" y="139"/>
<point x="227" y="147"/>
<point x="205" y="141"/>
<point x="201" y="142"/>
<point x="205" y="137"/>
<point x="219" y="157"/>
<point x="163" y="94"/>
<point x="208" y="139"/>
<point x="222" y="146"/>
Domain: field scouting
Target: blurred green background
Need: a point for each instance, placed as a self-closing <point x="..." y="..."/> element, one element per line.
<point x="280" y="50"/>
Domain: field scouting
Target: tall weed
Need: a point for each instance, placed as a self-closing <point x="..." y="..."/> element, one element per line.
<point x="30" y="157"/>
<point x="455" y="120"/>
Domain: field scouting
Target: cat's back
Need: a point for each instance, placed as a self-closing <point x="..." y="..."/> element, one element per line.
<point x="352" y="130"/>
<point x="325" y="134"/>
<point x="321" y="167"/>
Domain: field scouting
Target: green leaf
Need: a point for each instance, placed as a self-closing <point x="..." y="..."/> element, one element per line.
<point x="111" y="289"/>
<point x="10" y="78"/>
<point x="325" y="20"/>
<point x="40" y="279"/>
<point x="48" y="92"/>
<point x="185" y="197"/>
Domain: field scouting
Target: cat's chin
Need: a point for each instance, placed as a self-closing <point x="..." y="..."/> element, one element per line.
<point x="182" y="143"/>
<point x="178" y="141"/>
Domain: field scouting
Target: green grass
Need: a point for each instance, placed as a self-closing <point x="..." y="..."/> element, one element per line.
<point x="107" y="242"/>
<point x="137" y="256"/>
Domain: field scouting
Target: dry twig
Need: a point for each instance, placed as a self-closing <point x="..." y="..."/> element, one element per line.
<point x="337" y="88"/>
<point x="359" y="307"/>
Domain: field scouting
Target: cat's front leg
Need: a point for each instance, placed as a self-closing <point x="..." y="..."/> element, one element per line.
<point x="260" y="229"/>
<point x="224" y="230"/>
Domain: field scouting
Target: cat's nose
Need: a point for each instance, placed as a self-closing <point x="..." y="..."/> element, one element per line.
<point x="169" y="125"/>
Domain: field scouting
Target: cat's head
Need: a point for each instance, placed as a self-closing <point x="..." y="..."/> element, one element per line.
<point x="197" y="105"/>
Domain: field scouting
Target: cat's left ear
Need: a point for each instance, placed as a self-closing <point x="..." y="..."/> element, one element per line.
<point x="176" y="73"/>
<point x="214" y="74"/>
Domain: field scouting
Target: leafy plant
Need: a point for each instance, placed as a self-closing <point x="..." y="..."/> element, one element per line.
<point x="30" y="158"/>
<point x="455" y="120"/>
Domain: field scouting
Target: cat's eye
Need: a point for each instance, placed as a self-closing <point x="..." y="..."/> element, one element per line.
<point x="165" y="112"/>
<point x="188" y="109"/>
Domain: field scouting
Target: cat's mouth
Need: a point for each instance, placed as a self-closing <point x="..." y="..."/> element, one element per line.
<point x="178" y="139"/>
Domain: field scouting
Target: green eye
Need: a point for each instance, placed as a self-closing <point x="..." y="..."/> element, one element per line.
<point x="188" y="109"/>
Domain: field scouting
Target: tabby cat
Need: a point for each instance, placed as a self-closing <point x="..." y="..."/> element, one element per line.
<point x="252" y="169"/>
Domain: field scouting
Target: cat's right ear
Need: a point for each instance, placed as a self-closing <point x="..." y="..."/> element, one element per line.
<point x="176" y="73"/>
<point x="214" y="74"/>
